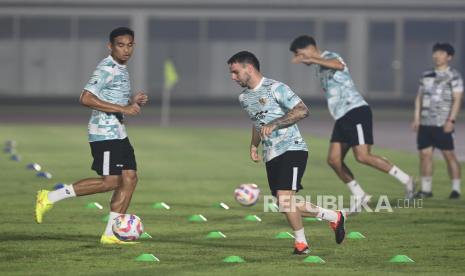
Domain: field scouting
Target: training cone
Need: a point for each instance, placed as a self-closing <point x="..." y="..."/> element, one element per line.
<point x="147" y="258"/>
<point x="252" y="218"/>
<point x="314" y="259"/>
<point x="355" y="236"/>
<point x="34" y="166"/>
<point x="312" y="219"/>
<point x="284" y="235"/>
<point x="401" y="259"/>
<point x="233" y="259"/>
<point x="221" y="205"/>
<point x="216" y="235"/>
<point x="94" y="205"/>
<point x="15" y="157"/>
<point x="145" y="236"/>
<point x="161" y="205"/>
<point x="46" y="175"/>
<point x="197" y="218"/>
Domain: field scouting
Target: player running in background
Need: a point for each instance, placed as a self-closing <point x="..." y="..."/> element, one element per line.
<point x="353" y="128"/>
<point x="436" y="107"/>
<point x="108" y="95"/>
<point x="274" y="110"/>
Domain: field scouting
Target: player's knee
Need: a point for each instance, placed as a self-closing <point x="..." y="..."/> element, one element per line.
<point x="130" y="178"/>
<point x="363" y="158"/>
<point x="334" y="163"/>
<point x="110" y="183"/>
<point x="426" y="155"/>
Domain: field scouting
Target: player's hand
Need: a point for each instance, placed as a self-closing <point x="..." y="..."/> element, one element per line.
<point x="448" y="127"/>
<point x="415" y="125"/>
<point x="140" y="98"/>
<point x="300" y="58"/>
<point x="254" y="154"/>
<point x="266" y="130"/>
<point x="131" y="109"/>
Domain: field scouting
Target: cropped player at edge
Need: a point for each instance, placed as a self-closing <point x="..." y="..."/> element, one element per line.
<point x="108" y="94"/>
<point x="274" y="110"/>
<point x="353" y="128"/>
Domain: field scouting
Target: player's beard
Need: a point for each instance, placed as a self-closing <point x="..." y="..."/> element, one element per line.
<point x="245" y="82"/>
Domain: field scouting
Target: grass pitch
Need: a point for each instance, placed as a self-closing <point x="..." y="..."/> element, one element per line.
<point x="192" y="169"/>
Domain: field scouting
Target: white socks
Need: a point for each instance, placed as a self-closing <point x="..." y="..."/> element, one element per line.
<point x="300" y="236"/>
<point x="399" y="175"/>
<point x="328" y="215"/>
<point x="62" y="193"/>
<point x="355" y="188"/>
<point x="456" y="185"/>
<point x="426" y="184"/>
<point x="111" y="218"/>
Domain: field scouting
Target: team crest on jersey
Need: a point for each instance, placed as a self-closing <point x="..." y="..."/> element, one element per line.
<point x="262" y="101"/>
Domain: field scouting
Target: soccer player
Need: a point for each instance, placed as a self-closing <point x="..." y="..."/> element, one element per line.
<point x="436" y="107"/>
<point x="274" y="110"/>
<point x="108" y="94"/>
<point x="353" y="128"/>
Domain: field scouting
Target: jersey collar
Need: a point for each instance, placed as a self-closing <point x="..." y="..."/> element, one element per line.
<point x="258" y="85"/>
<point x="114" y="61"/>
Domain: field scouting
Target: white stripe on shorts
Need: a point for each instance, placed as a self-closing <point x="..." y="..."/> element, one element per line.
<point x="295" y="172"/>
<point x="106" y="163"/>
<point x="361" y="137"/>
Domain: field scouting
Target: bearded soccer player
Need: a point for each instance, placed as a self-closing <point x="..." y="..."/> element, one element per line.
<point x="274" y="110"/>
<point x="353" y="129"/>
<point x="108" y="94"/>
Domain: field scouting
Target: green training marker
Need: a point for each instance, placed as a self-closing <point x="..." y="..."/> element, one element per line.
<point x="197" y="218"/>
<point x="147" y="258"/>
<point x="216" y="235"/>
<point x="94" y="205"/>
<point x="221" y="205"/>
<point x="312" y="219"/>
<point x="314" y="259"/>
<point x="145" y="235"/>
<point x="284" y="235"/>
<point x="161" y="205"/>
<point x="401" y="259"/>
<point x="106" y="218"/>
<point x="355" y="236"/>
<point x="252" y="218"/>
<point x="233" y="259"/>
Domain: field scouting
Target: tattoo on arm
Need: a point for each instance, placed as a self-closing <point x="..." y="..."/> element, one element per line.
<point x="296" y="114"/>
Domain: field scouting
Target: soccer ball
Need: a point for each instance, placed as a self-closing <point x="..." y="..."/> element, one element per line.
<point x="127" y="227"/>
<point x="247" y="194"/>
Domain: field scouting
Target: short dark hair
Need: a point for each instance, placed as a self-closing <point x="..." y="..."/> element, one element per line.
<point x="446" y="47"/>
<point x="302" y="42"/>
<point x="119" y="32"/>
<point x="245" y="57"/>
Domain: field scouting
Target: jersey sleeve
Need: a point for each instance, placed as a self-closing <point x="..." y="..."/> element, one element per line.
<point x="285" y="97"/>
<point x="98" y="80"/>
<point x="457" y="83"/>
<point x="421" y="86"/>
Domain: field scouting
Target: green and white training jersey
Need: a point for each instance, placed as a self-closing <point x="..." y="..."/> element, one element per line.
<point x="268" y="101"/>
<point x="341" y="94"/>
<point x="110" y="83"/>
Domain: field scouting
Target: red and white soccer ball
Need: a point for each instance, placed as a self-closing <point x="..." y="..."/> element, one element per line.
<point x="247" y="194"/>
<point x="127" y="227"/>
